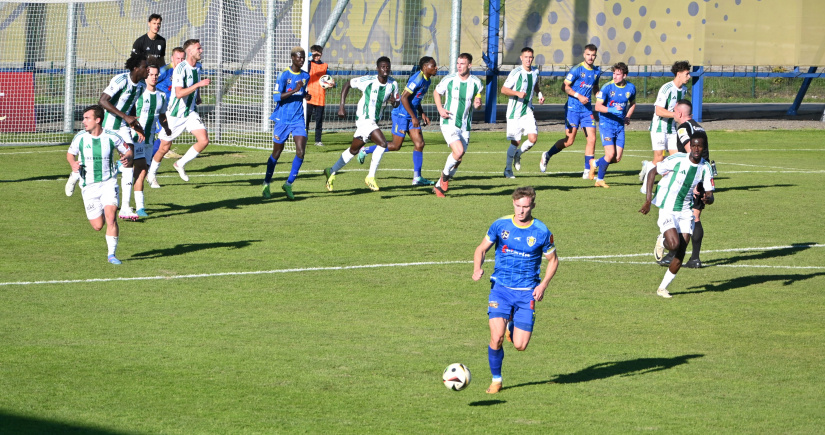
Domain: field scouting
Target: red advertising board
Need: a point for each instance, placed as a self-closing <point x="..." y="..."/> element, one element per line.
<point x="17" y="102"/>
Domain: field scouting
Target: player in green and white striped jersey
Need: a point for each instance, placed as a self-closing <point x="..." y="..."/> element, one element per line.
<point x="150" y="107"/>
<point x="118" y="99"/>
<point x="520" y="86"/>
<point x="377" y="90"/>
<point x="663" y="126"/>
<point x="463" y="94"/>
<point x="681" y="173"/>
<point x="92" y="155"/>
<point x="182" y="112"/>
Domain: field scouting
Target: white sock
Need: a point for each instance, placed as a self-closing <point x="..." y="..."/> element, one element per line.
<point x="526" y="146"/>
<point x="188" y="157"/>
<point x="345" y="158"/>
<point x="376" y="159"/>
<point x="667" y="279"/>
<point x="153" y="169"/>
<point x="111" y="243"/>
<point x="450" y="165"/>
<point x="139" y="199"/>
<point x="74" y="177"/>
<point x="126" y="178"/>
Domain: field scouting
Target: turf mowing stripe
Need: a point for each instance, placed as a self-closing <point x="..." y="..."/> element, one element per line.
<point x="596" y="258"/>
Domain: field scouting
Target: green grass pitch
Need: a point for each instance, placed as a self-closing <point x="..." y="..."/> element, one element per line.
<point x="337" y="312"/>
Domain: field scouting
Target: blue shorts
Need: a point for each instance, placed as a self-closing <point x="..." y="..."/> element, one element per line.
<point x="401" y="125"/>
<point x="281" y="131"/>
<point x="519" y="304"/>
<point x="611" y="136"/>
<point x="580" y="120"/>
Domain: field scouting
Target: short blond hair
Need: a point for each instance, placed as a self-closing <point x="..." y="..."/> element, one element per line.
<point x="296" y="50"/>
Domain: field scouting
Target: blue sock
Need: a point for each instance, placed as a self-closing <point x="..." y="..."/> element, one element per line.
<point x="554" y="149"/>
<point x="602" y="164"/>
<point x="418" y="161"/>
<point x="587" y="160"/>
<point x="370" y="149"/>
<point x="270" y="169"/>
<point x="495" y="357"/>
<point x="296" y="166"/>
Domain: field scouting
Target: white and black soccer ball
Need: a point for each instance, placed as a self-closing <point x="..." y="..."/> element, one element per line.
<point x="456" y="377"/>
<point x="326" y="81"/>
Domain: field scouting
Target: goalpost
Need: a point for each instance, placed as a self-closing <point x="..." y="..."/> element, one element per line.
<point x="56" y="57"/>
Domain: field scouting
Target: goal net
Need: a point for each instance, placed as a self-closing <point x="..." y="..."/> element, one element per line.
<point x="57" y="57"/>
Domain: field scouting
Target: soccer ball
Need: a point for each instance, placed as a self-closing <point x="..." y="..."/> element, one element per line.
<point x="456" y="377"/>
<point x="326" y="81"/>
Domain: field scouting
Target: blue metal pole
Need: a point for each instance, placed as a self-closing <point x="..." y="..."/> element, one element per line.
<point x="491" y="59"/>
<point x="697" y="91"/>
<point x="801" y="94"/>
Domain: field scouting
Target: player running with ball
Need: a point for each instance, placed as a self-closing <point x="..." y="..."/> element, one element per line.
<point x="521" y="242"/>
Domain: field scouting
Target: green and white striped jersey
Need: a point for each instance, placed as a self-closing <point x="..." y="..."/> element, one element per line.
<point x="183" y="76"/>
<point x="148" y="107"/>
<point x="374" y="95"/>
<point x="459" y="99"/>
<point x="521" y="80"/>
<point x="668" y="95"/>
<point x="97" y="155"/>
<point x="679" y="177"/>
<point x="123" y="94"/>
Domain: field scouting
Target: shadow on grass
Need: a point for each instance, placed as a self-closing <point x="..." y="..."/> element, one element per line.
<point x="751" y="188"/>
<point x="486" y="402"/>
<point x="633" y="367"/>
<point x="773" y="253"/>
<point x="16" y="424"/>
<point x="185" y="248"/>
<point x="747" y="281"/>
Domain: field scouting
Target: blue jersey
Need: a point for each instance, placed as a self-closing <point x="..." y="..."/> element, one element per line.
<point x="582" y="79"/>
<point x="165" y="80"/>
<point x="616" y="97"/>
<point x="519" y="251"/>
<point x="417" y="86"/>
<point x="291" y="109"/>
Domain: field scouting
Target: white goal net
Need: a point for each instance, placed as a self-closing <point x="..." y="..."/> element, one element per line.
<point x="57" y="57"/>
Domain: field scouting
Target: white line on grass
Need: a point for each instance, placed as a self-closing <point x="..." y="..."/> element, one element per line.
<point x="591" y="258"/>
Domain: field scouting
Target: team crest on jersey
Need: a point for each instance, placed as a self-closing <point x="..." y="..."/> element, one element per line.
<point x="584" y="75"/>
<point x="612" y="93"/>
<point x="493" y="304"/>
<point x="627" y="94"/>
<point x="505" y="234"/>
<point x="531" y="241"/>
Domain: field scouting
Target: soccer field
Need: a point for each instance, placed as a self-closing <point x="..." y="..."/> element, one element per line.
<point x="338" y="311"/>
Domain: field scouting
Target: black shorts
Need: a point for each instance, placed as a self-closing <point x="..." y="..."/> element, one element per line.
<point x="697" y="202"/>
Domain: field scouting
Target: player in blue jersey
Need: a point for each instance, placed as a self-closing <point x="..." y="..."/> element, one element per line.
<point x="408" y="118"/>
<point x="521" y="241"/>
<point x="578" y="85"/>
<point x="290" y="92"/>
<point x="616" y="101"/>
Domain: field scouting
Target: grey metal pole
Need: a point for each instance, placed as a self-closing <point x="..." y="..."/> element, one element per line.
<point x="323" y="37"/>
<point x="68" y="84"/>
<point x="455" y="34"/>
<point x="270" y="66"/>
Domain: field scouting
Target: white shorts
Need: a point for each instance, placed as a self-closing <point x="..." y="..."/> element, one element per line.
<point x="178" y="125"/>
<point x="125" y="133"/>
<point x="364" y="128"/>
<point x="682" y="221"/>
<point x="663" y="141"/>
<point x="452" y="133"/>
<point x="516" y="128"/>
<point x="96" y="196"/>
